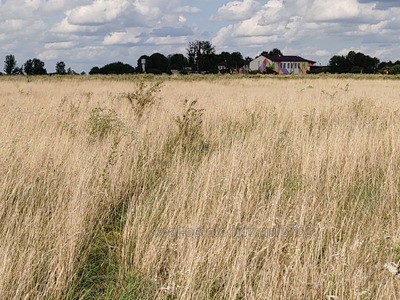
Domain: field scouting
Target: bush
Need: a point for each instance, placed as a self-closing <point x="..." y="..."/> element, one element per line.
<point x="145" y="96"/>
<point x="102" y="122"/>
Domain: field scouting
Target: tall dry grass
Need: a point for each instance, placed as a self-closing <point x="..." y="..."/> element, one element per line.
<point x="262" y="189"/>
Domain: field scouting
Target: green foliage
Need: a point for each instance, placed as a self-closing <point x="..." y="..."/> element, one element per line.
<point x="135" y="286"/>
<point x="157" y="63"/>
<point x="102" y="122"/>
<point x="34" y="67"/>
<point x="201" y="56"/>
<point x="60" y="68"/>
<point x="10" y="64"/>
<point x="177" y="62"/>
<point x="353" y="63"/>
<point x="94" y="70"/>
<point x="101" y="266"/>
<point x="390" y="67"/>
<point x="144" y="96"/>
<point x="274" y="51"/>
<point x="113" y="68"/>
<point x="190" y="135"/>
<point x="233" y="60"/>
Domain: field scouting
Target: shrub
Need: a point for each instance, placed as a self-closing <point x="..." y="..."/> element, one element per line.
<point x="102" y="122"/>
<point x="190" y="129"/>
<point x="144" y="96"/>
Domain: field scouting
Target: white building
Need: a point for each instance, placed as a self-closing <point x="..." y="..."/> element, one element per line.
<point x="281" y="64"/>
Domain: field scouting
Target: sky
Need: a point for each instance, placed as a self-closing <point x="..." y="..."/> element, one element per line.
<point x="87" y="33"/>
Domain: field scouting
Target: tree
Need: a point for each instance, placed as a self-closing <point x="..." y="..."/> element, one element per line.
<point x="275" y="52"/>
<point x="10" y="64"/>
<point x="94" y="70"/>
<point x="38" y="67"/>
<point x="18" y="71"/>
<point x="60" y="68"/>
<point x="177" y="62"/>
<point x="354" y="63"/>
<point x="71" y="72"/>
<point x="339" y="64"/>
<point x="28" y="67"/>
<point x="112" y="68"/>
<point x="201" y="56"/>
<point x="236" y="60"/>
<point x="232" y="60"/>
<point x="34" y="67"/>
<point x="158" y="64"/>
<point x="247" y="60"/>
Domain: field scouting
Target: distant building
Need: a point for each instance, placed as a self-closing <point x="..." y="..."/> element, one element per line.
<point x="222" y="66"/>
<point x="285" y="64"/>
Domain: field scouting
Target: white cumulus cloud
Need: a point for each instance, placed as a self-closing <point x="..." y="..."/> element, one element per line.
<point x="99" y="12"/>
<point x="236" y="10"/>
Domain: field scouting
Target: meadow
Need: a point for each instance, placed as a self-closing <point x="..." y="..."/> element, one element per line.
<point x="199" y="187"/>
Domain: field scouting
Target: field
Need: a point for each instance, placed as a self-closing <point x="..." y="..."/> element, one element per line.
<point x="199" y="188"/>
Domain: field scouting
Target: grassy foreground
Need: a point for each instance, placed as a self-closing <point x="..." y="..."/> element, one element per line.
<point x="223" y="189"/>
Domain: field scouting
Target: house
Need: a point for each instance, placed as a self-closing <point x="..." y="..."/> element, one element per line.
<point x="222" y="66"/>
<point x="285" y="64"/>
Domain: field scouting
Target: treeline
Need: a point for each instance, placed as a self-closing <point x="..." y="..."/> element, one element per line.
<point x="32" y="67"/>
<point x="201" y="57"/>
<point x="357" y="62"/>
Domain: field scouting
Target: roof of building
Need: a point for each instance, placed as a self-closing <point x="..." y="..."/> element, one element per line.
<point x="287" y="58"/>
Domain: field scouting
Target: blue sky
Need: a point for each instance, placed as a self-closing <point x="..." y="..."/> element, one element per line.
<point x="86" y="33"/>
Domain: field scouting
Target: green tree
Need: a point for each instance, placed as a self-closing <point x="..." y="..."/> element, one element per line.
<point x="158" y="64"/>
<point x="28" y="67"/>
<point x="339" y="64"/>
<point x="18" y="71"/>
<point x="10" y="64"/>
<point x="275" y="52"/>
<point x="34" y="67"/>
<point x="71" y="72"/>
<point x="233" y="60"/>
<point x="354" y="62"/>
<point x="117" y="68"/>
<point x="201" y="56"/>
<point x="60" y="68"/>
<point x="236" y="60"/>
<point x="177" y="62"/>
<point x="94" y="70"/>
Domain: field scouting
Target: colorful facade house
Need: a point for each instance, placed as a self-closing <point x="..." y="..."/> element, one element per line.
<point x="283" y="65"/>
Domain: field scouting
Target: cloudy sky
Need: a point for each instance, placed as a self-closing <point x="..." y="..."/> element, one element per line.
<point x="86" y="33"/>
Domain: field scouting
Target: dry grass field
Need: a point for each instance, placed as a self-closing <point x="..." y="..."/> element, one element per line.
<point x="219" y="188"/>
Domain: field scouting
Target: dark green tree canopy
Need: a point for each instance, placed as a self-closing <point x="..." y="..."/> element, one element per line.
<point x="201" y="56"/>
<point x="10" y="64"/>
<point x="94" y="70"/>
<point x="339" y="64"/>
<point x="232" y="60"/>
<point x="389" y="67"/>
<point x="353" y="63"/>
<point x="274" y="51"/>
<point x="113" y="68"/>
<point x="34" y="67"/>
<point x="177" y="61"/>
<point x="158" y="64"/>
<point x="60" y="68"/>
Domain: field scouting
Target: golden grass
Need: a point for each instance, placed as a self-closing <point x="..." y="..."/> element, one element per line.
<point x="278" y="189"/>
